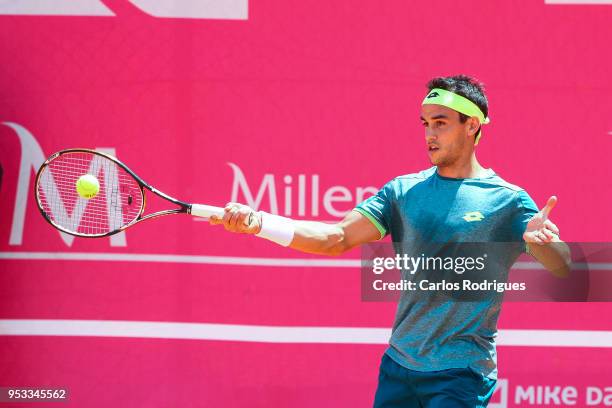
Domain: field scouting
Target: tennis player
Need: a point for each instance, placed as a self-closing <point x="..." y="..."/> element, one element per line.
<point x="439" y="355"/>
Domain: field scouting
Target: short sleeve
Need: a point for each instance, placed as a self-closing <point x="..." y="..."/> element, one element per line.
<point x="377" y="208"/>
<point x="527" y="208"/>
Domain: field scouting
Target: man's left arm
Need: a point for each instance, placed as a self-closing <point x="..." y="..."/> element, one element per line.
<point x="543" y="243"/>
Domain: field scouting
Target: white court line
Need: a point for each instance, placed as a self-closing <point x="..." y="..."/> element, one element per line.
<point x="276" y="334"/>
<point x="231" y="260"/>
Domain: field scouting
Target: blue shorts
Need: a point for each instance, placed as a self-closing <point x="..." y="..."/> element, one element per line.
<point x="452" y="388"/>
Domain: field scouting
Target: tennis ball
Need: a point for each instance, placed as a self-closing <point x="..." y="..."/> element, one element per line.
<point x="87" y="186"/>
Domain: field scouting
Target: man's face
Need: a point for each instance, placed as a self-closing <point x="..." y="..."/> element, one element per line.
<point x="447" y="138"/>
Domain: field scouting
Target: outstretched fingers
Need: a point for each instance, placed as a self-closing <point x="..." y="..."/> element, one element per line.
<point x="549" y="225"/>
<point x="550" y="204"/>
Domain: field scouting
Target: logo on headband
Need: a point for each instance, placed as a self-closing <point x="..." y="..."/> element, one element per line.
<point x="433" y="95"/>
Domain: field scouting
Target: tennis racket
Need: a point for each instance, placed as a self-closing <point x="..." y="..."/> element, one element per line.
<point x="118" y="204"/>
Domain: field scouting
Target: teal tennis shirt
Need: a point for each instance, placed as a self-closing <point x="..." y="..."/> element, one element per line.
<point x="423" y="209"/>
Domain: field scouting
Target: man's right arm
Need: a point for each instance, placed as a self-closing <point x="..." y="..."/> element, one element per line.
<point x="309" y="236"/>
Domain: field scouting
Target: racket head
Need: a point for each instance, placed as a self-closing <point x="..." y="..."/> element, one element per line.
<point x="118" y="204"/>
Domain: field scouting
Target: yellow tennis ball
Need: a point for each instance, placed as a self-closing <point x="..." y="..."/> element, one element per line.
<point x="87" y="186"/>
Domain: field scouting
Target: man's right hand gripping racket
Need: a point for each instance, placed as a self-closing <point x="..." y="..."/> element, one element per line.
<point x="92" y="194"/>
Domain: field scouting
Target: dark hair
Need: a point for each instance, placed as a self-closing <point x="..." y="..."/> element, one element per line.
<point x="465" y="86"/>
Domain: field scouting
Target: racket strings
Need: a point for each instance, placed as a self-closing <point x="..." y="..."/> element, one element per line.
<point x="118" y="202"/>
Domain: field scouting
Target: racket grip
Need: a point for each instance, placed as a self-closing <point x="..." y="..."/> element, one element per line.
<point x="205" y="211"/>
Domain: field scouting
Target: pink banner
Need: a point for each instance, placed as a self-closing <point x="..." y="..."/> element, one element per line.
<point x="298" y="108"/>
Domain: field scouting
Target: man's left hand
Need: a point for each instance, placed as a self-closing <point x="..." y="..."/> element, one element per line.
<point x="540" y="230"/>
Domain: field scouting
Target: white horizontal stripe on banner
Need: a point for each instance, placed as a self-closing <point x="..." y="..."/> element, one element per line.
<point x="194" y="331"/>
<point x="578" y="2"/>
<point x="231" y="260"/>
<point x="277" y="334"/>
<point x="173" y="258"/>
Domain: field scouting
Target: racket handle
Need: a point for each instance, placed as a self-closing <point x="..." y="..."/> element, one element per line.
<point x="205" y="211"/>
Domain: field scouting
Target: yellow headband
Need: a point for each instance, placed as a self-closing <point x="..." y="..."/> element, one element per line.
<point x="456" y="102"/>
